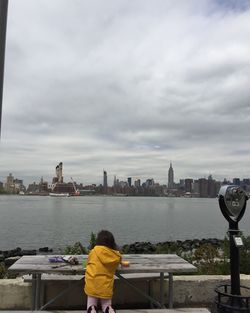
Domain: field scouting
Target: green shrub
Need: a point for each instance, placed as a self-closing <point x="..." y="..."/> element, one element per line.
<point x="76" y="249"/>
<point x="92" y="241"/>
<point x="205" y="256"/>
<point x="245" y="261"/>
<point x="3" y="270"/>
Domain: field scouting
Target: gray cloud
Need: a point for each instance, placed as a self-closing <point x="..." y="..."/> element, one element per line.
<point x="126" y="86"/>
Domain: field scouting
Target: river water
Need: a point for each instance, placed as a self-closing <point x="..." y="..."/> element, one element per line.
<point x="31" y="222"/>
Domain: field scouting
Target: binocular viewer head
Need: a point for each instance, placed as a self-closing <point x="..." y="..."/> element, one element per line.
<point x="232" y="201"/>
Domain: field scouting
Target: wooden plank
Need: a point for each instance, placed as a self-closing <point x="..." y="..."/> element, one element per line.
<point x="55" y="277"/>
<point x="150" y="263"/>
<point x="134" y="258"/>
<point x="42" y="259"/>
<point x="138" y="257"/>
<point x="62" y="277"/>
<point x="38" y="269"/>
<point x="78" y="269"/>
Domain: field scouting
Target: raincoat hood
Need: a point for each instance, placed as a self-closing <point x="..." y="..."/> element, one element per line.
<point x="107" y="256"/>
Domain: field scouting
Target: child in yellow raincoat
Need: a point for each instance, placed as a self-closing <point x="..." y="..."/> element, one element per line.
<point x="102" y="263"/>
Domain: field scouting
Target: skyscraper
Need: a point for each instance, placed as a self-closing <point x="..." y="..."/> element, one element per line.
<point x="105" y="181"/>
<point x="170" y="177"/>
<point x="203" y="187"/>
<point x="9" y="185"/>
<point x="137" y="183"/>
<point x="59" y="174"/>
<point x="188" y="184"/>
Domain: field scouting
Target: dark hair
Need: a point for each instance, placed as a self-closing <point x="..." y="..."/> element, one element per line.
<point x="106" y="238"/>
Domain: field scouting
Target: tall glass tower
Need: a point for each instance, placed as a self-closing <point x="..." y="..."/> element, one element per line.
<point x="170" y="177"/>
<point x="105" y="181"/>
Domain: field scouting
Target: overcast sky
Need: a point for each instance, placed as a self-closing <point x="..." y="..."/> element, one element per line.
<point x="126" y="86"/>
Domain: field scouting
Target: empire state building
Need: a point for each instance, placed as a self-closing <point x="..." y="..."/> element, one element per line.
<point x="170" y="177"/>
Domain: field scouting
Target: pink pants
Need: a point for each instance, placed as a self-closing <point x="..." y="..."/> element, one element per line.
<point x="93" y="301"/>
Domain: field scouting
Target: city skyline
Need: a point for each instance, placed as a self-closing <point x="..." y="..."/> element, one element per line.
<point x="186" y="187"/>
<point x="110" y="179"/>
<point x="127" y="87"/>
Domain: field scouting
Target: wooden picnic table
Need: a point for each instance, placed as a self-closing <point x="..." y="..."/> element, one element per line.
<point x="139" y="263"/>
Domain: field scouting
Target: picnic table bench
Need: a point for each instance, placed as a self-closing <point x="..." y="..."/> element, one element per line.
<point x="139" y="263"/>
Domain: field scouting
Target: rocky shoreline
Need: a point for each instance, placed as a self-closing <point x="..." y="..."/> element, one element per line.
<point x="170" y="246"/>
<point x="8" y="257"/>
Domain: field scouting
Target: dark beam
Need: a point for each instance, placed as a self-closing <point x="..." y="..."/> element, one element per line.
<point x="3" y="25"/>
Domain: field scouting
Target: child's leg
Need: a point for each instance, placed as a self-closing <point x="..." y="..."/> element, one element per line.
<point x="91" y="304"/>
<point x="106" y="303"/>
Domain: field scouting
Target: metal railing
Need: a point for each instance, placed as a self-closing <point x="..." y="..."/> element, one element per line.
<point x="229" y="303"/>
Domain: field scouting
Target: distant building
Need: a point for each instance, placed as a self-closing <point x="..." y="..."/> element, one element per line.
<point x="196" y="187"/>
<point x="246" y="181"/>
<point x="203" y="184"/>
<point x="137" y="183"/>
<point x="189" y="185"/>
<point x="59" y="174"/>
<point x="18" y="185"/>
<point x="58" y="185"/>
<point x="149" y="183"/>
<point x="226" y="182"/>
<point x="13" y="185"/>
<point x="33" y="188"/>
<point x="123" y="184"/>
<point x="129" y="181"/>
<point x="170" y="177"/>
<point x="43" y="186"/>
<point x="182" y="183"/>
<point x="115" y="183"/>
<point x="246" y="184"/>
<point x="211" y="187"/>
<point x="236" y="181"/>
<point x="105" y="182"/>
<point x="9" y="185"/>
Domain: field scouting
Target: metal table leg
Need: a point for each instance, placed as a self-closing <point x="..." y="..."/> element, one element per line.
<point x="33" y="284"/>
<point x="38" y="287"/>
<point x="170" y="291"/>
<point x="162" y="289"/>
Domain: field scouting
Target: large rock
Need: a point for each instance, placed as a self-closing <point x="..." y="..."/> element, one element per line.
<point x="12" y="253"/>
<point x="28" y="252"/>
<point x="45" y="249"/>
<point x="9" y="261"/>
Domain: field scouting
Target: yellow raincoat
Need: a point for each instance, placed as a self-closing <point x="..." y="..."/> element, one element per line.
<point x="99" y="276"/>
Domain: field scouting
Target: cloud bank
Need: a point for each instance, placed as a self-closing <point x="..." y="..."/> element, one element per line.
<point x="127" y="87"/>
